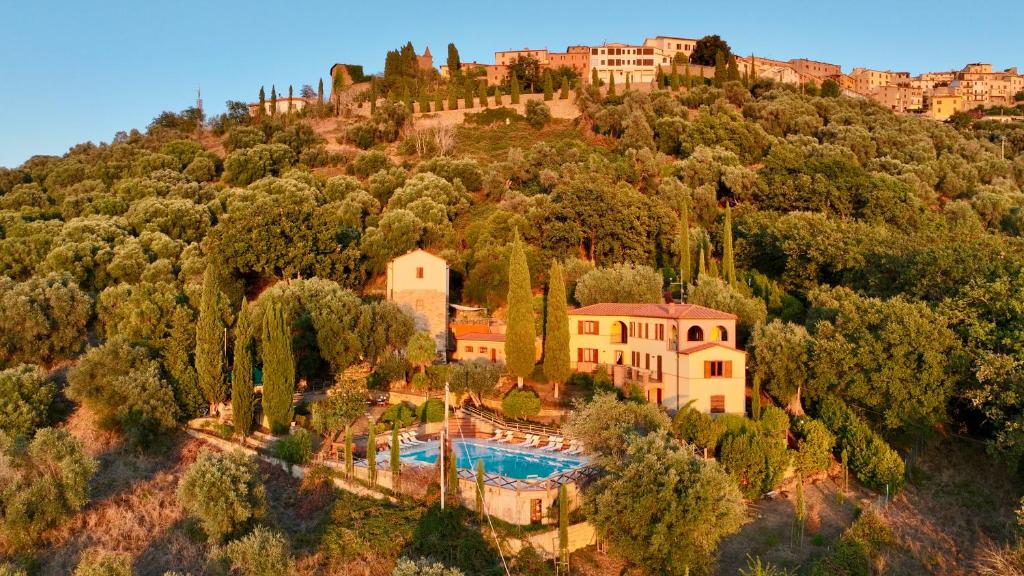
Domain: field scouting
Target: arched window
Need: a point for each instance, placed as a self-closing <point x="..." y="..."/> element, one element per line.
<point x="695" y="334"/>
<point x="722" y="333"/>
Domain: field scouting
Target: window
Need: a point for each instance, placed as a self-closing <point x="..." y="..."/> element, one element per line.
<point x="647" y="361"/>
<point x="659" y="331"/>
<point x="723" y="333"/>
<point x="718" y="369"/>
<point x="634" y="359"/>
<point x="469" y="348"/>
<point x="419" y="305"/>
<point x="632" y="329"/>
<point x="718" y="404"/>
<point x="419" y="272"/>
<point x="658" y="373"/>
<point x="647" y="330"/>
<point x="482" y="349"/>
<point x="695" y="334"/>
<point x="587" y="327"/>
<point x="586" y="355"/>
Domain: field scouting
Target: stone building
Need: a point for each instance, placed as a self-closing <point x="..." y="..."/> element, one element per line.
<point x="418" y="282"/>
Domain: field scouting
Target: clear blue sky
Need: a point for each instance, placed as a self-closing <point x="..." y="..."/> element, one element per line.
<point x="73" y="71"/>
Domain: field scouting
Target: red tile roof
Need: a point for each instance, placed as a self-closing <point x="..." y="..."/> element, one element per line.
<point x="674" y="311"/>
<point x="481" y="337"/>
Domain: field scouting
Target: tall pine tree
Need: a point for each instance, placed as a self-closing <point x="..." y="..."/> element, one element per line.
<point x="320" y="92"/>
<point x="453" y="98"/>
<point x="674" y="79"/>
<point x="371" y="453"/>
<point x="454" y="63"/>
<point x="556" y="333"/>
<point x="273" y="100"/>
<point x="263" y="104"/>
<point x="564" y="94"/>
<point x="290" y="93"/>
<point x="177" y="354"/>
<point x="549" y="86"/>
<point x="611" y="84"/>
<point x="594" y="79"/>
<point x="520" y="335"/>
<point x="241" y="374"/>
<point x="728" y="258"/>
<point x="278" y="369"/>
<point x="563" y="525"/>
<point x="396" y="457"/>
<point x="210" y="342"/>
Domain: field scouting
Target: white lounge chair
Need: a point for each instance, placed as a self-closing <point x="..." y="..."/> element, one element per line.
<point x="497" y="435"/>
<point x="412" y="439"/>
<point x="577" y="450"/>
<point x="509" y="435"/>
<point x="573" y="444"/>
<point x="534" y="442"/>
<point x="526" y="440"/>
<point x="555" y="445"/>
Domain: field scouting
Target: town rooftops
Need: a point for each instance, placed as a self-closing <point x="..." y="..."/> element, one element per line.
<point x="673" y="311"/>
<point x="482" y="337"/>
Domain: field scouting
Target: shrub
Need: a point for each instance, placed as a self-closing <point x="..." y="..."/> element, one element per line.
<point x="295" y="448"/>
<point x="432" y="411"/>
<point x="405" y="413"/>
<point x="247" y="165"/>
<point x="858" y="548"/>
<point x="537" y="113"/>
<point x="756" y="460"/>
<point x="466" y="170"/>
<point x="814" y="447"/>
<point x="520" y="404"/>
<point x="361" y="135"/>
<point x="262" y="552"/>
<point x="423" y="567"/>
<point x="7" y="569"/>
<point x="871" y="458"/>
<point x="698" y="428"/>
<point x="494" y="116"/>
<point x="243" y="137"/>
<point x="25" y="399"/>
<point x="100" y="563"/>
<point x="202" y="169"/>
<point x="223" y="491"/>
<point x="41" y="484"/>
<point x="369" y="163"/>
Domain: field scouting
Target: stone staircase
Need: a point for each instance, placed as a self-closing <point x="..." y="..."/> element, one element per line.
<point x="465" y="426"/>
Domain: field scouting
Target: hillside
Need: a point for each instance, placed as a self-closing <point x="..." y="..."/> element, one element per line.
<point x="874" y="262"/>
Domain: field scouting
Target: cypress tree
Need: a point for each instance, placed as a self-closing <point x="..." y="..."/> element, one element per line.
<point x="320" y="92"/>
<point x="733" y="71"/>
<point x="210" y="343"/>
<point x="728" y="259"/>
<point x="467" y="90"/>
<point x="685" y="265"/>
<point x="483" y="94"/>
<point x="480" y="488"/>
<point x="549" y="88"/>
<point x="407" y="99"/>
<point x="241" y="373"/>
<point x="701" y="267"/>
<point x="178" y="354"/>
<point x="454" y="62"/>
<point x="424" y="104"/>
<point x="263" y="104"/>
<point x="453" y="98"/>
<point x="563" y="525"/>
<point x="348" y="452"/>
<point x="753" y="69"/>
<point x="628" y="76"/>
<point x="438" y="102"/>
<point x="497" y="95"/>
<point x="556" y="334"/>
<point x="713" y="270"/>
<point x="721" y="73"/>
<point x="565" y="89"/>
<point x="799" y="511"/>
<point x="594" y="78"/>
<point x="611" y="84"/>
<point x="290" y="93"/>
<point x="686" y="75"/>
<point x="660" y="79"/>
<point x="674" y="79"/>
<point x="273" y="100"/>
<point x="396" y="461"/>
<point x="519" y="335"/>
<point x="371" y="453"/>
<point x="515" y="88"/>
<point x="755" y="398"/>
<point x="278" y="369"/>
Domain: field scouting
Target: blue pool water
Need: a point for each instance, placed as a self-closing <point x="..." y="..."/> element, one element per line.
<point x="501" y="459"/>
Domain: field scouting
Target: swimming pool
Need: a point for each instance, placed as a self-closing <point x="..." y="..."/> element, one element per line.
<point x="501" y="459"/>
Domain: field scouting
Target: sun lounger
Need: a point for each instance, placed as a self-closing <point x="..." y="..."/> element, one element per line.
<point x="573" y="444"/>
<point x="535" y="442"/>
<point x="410" y="438"/>
<point x="508" y="436"/>
<point x="554" y="447"/>
<point x="526" y="440"/>
<point x="497" y="435"/>
<point x="551" y="443"/>
<point x="577" y="450"/>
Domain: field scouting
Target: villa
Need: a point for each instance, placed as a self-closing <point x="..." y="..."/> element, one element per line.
<point x="675" y="353"/>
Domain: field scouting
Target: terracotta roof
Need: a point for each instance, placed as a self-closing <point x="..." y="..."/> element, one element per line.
<point x="481" y="337"/>
<point x="675" y="311"/>
<point x="705" y="346"/>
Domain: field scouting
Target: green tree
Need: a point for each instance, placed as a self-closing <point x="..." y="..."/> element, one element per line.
<point x="453" y="98"/>
<point x="396" y="458"/>
<point x="611" y="84"/>
<point x="515" y="88"/>
<point x="728" y="259"/>
<point x="100" y="563"/>
<point x="468" y="92"/>
<point x="223" y="492"/>
<point x="595" y="80"/>
<point x="830" y="89"/>
<point x="483" y="94"/>
<point x="278" y="369"/>
<point x="707" y="49"/>
<point x="564" y="91"/>
<point x="438" y="102"/>
<point x="273" y="100"/>
<point x="44" y="319"/>
<point x="627" y="283"/>
<point x="755" y="399"/>
<point x="453" y="61"/>
<point x="721" y="70"/>
<point x="519" y="404"/>
<point x="26" y="398"/>
<point x="556" y="329"/>
<point x="42" y="484"/>
<point x="263" y="104"/>
<point x="480" y="488"/>
<point x="520" y="335"/>
<point x="672" y="540"/>
<point x="320" y="92"/>
<point x="549" y="89"/>
<point x="780" y="354"/>
<point x="674" y="78"/>
<point x="210" y="342"/>
<point x="685" y="252"/>
<point x="290" y="104"/>
<point x="261" y="552"/>
<point x="242" y="396"/>
<point x="371" y="453"/>
<point x="349" y="460"/>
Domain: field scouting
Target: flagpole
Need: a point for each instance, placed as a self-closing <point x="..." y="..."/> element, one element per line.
<point x="444" y="436"/>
